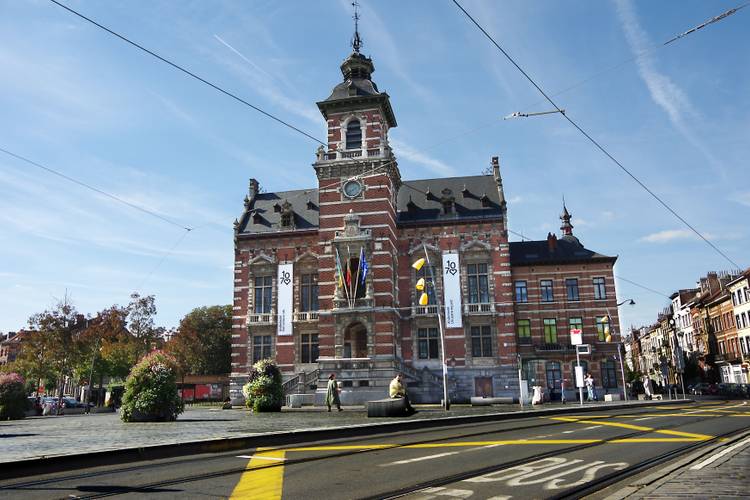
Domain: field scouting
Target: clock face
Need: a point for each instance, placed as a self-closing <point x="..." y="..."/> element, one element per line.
<point x="352" y="189"/>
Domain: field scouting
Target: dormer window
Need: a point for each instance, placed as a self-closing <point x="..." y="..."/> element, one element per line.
<point x="485" y="201"/>
<point x="287" y="214"/>
<point x="447" y="200"/>
<point x="353" y="135"/>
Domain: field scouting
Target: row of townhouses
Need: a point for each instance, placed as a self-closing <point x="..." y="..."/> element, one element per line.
<point x="323" y="277"/>
<point x="704" y="334"/>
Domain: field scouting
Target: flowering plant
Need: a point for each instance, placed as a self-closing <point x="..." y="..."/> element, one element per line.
<point x="264" y="393"/>
<point x="151" y="390"/>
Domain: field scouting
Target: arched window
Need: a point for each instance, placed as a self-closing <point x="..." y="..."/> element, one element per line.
<point x="353" y="135"/>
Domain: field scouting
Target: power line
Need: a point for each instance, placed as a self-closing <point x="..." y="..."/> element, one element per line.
<point x="641" y="286"/>
<point x="188" y="72"/>
<point x="593" y="141"/>
<point x="642" y="53"/>
<point x="96" y="190"/>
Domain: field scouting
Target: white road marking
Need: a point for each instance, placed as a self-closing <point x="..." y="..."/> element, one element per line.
<point x="717" y="456"/>
<point x="644" y="418"/>
<point x="419" y="459"/>
<point x="592" y="427"/>
<point x="259" y="457"/>
<point x="568" y="432"/>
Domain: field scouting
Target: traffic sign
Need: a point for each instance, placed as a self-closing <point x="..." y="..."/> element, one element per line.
<point x="583" y="349"/>
<point x="576" y="336"/>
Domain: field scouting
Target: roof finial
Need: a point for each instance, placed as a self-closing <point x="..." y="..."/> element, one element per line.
<point x="356" y="41"/>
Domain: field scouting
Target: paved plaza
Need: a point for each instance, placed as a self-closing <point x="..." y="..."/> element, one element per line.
<point x="38" y="437"/>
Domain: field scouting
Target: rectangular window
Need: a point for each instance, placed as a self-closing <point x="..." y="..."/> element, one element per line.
<point x="609" y="374"/>
<point x="523" y="326"/>
<point x="571" y="287"/>
<point x="309" y="292"/>
<point x="575" y="324"/>
<point x="550" y="331"/>
<point x="600" y="290"/>
<point x="744" y="320"/>
<point x="479" y="289"/>
<point x="481" y="341"/>
<point x="522" y="294"/>
<point x="263" y="294"/>
<point x="427" y="272"/>
<point x="261" y="347"/>
<point x="428" y="343"/>
<point x="309" y="347"/>
<point x="601" y="329"/>
<point x="545" y="288"/>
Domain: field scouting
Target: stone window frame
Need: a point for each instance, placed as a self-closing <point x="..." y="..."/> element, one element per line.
<point x="436" y="327"/>
<point x="577" y="288"/>
<point x="298" y="344"/>
<point x="260" y="334"/>
<point x="261" y="266"/>
<point x="603" y="287"/>
<point x="344" y="125"/>
<point x="305" y="264"/>
<point x="491" y="359"/>
<point x="476" y="252"/>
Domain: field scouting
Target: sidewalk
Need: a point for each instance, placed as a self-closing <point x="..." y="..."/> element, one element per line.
<point x="724" y="472"/>
<point x="42" y="437"/>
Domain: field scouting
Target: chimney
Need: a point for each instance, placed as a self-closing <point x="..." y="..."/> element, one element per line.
<point x="253" y="189"/>
<point x="552" y="242"/>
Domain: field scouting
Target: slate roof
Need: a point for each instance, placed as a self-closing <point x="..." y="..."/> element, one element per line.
<point x="264" y="215"/>
<point x="527" y="253"/>
<point x="476" y="197"/>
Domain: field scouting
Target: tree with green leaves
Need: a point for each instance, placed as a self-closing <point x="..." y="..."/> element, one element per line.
<point x="202" y="342"/>
<point x="141" y="315"/>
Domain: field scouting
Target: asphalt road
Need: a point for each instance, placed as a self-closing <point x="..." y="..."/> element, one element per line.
<point x="535" y="457"/>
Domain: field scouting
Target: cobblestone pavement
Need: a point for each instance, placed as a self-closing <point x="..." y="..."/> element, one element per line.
<point x="727" y="477"/>
<point x="38" y="437"/>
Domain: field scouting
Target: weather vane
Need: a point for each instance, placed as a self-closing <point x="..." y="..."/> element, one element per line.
<point x="356" y="41"/>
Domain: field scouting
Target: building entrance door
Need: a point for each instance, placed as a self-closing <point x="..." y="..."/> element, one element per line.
<point x="355" y="341"/>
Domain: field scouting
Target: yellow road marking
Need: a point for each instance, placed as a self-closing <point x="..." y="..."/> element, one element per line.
<point x="653" y="440"/>
<point x="689" y="435"/>
<point x="261" y="480"/>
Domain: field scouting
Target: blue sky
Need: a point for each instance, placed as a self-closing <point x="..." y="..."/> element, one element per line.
<point x="78" y="100"/>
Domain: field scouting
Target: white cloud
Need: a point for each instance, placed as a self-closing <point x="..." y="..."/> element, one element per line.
<point x="742" y="198"/>
<point x="669" y="235"/>
<point x="664" y="92"/>
<point x="433" y="165"/>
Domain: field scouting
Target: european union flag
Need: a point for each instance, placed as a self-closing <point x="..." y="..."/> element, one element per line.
<point x="363" y="264"/>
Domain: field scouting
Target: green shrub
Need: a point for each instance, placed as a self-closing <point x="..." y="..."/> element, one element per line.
<point x="263" y="393"/>
<point x="151" y="390"/>
<point x="13" y="401"/>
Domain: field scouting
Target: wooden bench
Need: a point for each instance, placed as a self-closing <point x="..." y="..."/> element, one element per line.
<point x="395" y="407"/>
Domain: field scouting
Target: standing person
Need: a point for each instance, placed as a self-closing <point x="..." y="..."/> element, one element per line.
<point x="647" y="387"/>
<point x="589" y="380"/>
<point x="397" y="391"/>
<point x="332" y="393"/>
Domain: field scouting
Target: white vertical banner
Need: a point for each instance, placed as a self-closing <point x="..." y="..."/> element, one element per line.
<point x="452" y="290"/>
<point x="285" y="295"/>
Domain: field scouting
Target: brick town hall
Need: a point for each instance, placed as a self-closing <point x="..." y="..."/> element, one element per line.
<point x="323" y="280"/>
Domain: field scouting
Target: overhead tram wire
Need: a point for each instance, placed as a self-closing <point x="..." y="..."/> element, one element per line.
<point x="96" y="190"/>
<point x="188" y="72"/>
<point x="642" y="286"/>
<point x="594" y="142"/>
<point x="640" y="54"/>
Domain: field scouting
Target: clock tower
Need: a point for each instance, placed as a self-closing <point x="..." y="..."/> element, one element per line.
<point x="358" y="182"/>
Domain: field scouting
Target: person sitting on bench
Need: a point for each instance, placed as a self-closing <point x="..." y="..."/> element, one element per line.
<point x="397" y="390"/>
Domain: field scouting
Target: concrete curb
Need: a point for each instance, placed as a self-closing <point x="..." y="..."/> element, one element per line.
<point x="45" y="465"/>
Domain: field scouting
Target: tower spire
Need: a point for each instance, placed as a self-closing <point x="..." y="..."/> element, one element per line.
<point x="356" y="40"/>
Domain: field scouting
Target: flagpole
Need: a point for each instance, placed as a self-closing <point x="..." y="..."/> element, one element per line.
<point x="446" y="402"/>
<point x="341" y="275"/>
<point x="349" y="274"/>
<point x="359" y="266"/>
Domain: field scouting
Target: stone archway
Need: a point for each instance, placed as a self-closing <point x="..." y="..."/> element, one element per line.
<point x="355" y="340"/>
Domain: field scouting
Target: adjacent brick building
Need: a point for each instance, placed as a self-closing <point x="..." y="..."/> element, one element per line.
<point x="334" y="262"/>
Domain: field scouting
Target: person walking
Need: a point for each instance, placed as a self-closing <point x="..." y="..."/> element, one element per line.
<point x="589" y="380"/>
<point x="396" y="390"/>
<point x="332" y="393"/>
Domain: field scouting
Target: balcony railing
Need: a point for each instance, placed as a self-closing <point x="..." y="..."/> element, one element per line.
<point x="262" y="318"/>
<point x="428" y="310"/>
<point x="306" y="316"/>
<point x="351" y="154"/>
<point x="373" y="152"/>
<point x="553" y="347"/>
<point x="478" y="308"/>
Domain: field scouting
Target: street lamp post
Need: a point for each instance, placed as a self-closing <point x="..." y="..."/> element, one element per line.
<point x="418" y="265"/>
<point x="620" y="349"/>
